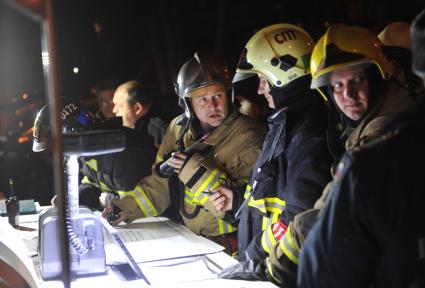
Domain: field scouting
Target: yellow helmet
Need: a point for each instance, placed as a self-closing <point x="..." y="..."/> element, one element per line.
<point x="279" y="52"/>
<point x="343" y="46"/>
<point x="396" y="34"/>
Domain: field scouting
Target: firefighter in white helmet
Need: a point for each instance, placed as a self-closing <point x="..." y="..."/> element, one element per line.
<point x="294" y="165"/>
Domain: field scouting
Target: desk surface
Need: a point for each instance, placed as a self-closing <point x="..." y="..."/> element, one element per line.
<point x="192" y="271"/>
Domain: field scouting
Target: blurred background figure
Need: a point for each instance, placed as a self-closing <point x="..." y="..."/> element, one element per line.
<point x="397" y="46"/>
<point x="104" y="91"/>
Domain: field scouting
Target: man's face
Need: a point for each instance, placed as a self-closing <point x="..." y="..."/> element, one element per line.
<point x="350" y="91"/>
<point x="122" y="108"/>
<point x="264" y="89"/>
<point x="105" y="102"/>
<point x="210" y="105"/>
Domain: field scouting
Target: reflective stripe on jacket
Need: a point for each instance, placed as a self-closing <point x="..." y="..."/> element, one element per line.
<point x="232" y="150"/>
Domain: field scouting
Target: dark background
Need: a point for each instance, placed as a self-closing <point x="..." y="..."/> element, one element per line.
<point x="145" y="40"/>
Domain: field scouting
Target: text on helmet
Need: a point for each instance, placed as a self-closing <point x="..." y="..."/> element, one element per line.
<point x="284" y="36"/>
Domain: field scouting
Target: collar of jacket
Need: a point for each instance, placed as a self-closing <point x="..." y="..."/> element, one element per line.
<point x="395" y="100"/>
<point x="217" y="133"/>
<point x="278" y="115"/>
<point x="303" y="100"/>
<point x="142" y="122"/>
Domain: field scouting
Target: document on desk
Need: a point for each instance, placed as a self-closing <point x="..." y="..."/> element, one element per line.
<point x="157" y="238"/>
<point x="15" y="254"/>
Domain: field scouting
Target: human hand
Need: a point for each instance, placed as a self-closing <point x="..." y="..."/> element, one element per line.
<point x="176" y="161"/>
<point x="114" y="215"/>
<point x="221" y="198"/>
<point x="54" y="201"/>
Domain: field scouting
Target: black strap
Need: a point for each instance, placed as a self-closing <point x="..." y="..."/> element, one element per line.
<point x="276" y="139"/>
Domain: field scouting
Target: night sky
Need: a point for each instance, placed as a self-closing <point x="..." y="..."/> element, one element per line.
<point x="149" y="40"/>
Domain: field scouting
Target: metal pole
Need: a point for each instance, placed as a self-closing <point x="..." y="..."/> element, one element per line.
<point x="51" y="80"/>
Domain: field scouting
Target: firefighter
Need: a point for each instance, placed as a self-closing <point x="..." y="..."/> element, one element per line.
<point x="294" y="164"/>
<point x="349" y="68"/>
<point x="372" y="231"/>
<point x="225" y="145"/>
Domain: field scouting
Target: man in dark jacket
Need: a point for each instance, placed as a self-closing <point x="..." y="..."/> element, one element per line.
<point x="107" y="174"/>
<point x="372" y="231"/>
<point x="294" y="165"/>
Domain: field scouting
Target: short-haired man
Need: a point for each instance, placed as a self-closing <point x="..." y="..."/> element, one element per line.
<point x="227" y="145"/>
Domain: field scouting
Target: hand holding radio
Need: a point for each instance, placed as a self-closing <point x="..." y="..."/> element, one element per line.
<point x="177" y="159"/>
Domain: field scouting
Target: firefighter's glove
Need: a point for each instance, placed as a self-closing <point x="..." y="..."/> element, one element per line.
<point x="253" y="269"/>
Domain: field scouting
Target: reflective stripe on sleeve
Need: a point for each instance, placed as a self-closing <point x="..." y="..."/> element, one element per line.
<point x="159" y="158"/>
<point x="289" y="247"/>
<point x="258" y="204"/>
<point x="213" y="180"/>
<point x="102" y="186"/>
<point x="270" y="270"/>
<point x="87" y="181"/>
<point x="92" y="163"/>
<point x="142" y="200"/>
<point x="270" y="220"/>
<point x="268" y="240"/>
<point x="224" y="227"/>
<point x="274" y="205"/>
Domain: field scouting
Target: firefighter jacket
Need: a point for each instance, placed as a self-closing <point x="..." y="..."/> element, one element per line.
<point x="289" y="175"/>
<point x="372" y="230"/>
<point x="396" y="99"/>
<point x="118" y="171"/>
<point x="226" y="157"/>
<point x="284" y="257"/>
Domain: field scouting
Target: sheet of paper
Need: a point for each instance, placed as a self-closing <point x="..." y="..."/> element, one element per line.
<point x="157" y="238"/>
<point x="15" y="253"/>
<point x="179" y="270"/>
<point x="196" y="271"/>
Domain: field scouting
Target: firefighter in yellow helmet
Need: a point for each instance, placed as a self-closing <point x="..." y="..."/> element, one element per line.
<point x="349" y="68"/>
<point x="293" y="167"/>
<point x="372" y="231"/>
<point x="223" y="148"/>
<point x="397" y="46"/>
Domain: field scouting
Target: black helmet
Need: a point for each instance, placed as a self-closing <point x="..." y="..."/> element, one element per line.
<point x="200" y="71"/>
<point x="73" y="117"/>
